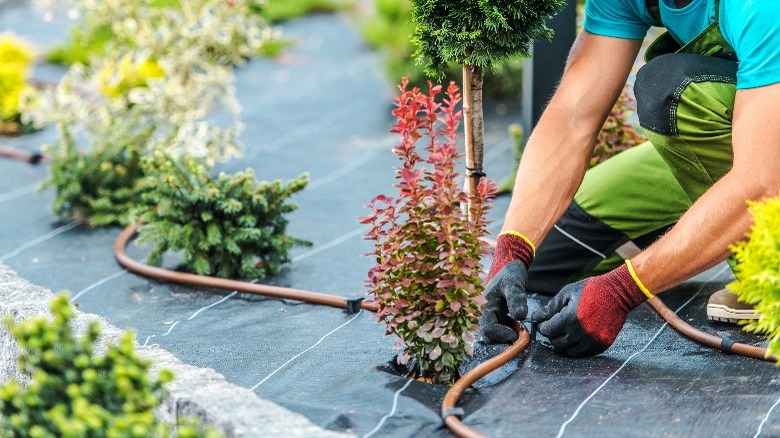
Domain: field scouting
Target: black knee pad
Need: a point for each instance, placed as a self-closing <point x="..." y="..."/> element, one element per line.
<point x="661" y="82"/>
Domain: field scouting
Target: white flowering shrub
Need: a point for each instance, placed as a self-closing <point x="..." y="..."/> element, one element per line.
<point x="167" y="67"/>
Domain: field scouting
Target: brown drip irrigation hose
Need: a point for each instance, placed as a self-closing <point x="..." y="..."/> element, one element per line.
<point x="221" y="283"/>
<point x="724" y="344"/>
<point x="451" y="398"/>
<point x="19" y="154"/>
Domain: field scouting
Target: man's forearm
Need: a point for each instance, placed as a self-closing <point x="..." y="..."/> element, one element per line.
<point x="702" y="237"/>
<point x="560" y="147"/>
<point x="550" y="172"/>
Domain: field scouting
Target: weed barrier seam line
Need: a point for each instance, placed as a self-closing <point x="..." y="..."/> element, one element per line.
<point x="170" y="329"/>
<point x="392" y="410"/>
<point x="577" y="411"/>
<point x="766" y="419"/>
<point x="337" y="241"/>
<point x="99" y="283"/>
<point x="225" y="298"/>
<point x="562" y="428"/>
<point x="16" y="193"/>
<point x="579" y="242"/>
<point x="307" y="350"/>
<point x="29" y="244"/>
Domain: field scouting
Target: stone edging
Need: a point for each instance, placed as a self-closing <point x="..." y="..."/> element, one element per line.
<point x="201" y="392"/>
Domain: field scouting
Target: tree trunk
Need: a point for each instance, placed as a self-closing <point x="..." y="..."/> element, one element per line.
<point x="475" y="131"/>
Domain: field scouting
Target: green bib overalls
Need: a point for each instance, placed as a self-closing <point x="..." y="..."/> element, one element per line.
<point x="685" y="100"/>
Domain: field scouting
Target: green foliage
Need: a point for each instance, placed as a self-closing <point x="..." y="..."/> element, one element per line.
<point x="481" y="33"/>
<point x="426" y="279"/>
<point x="15" y="59"/>
<point x="388" y="28"/>
<point x="758" y="270"/>
<point x="231" y="226"/>
<point x="276" y="11"/>
<point x="100" y="185"/>
<point x="82" y="44"/>
<point x="95" y="31"/>
<point x="617" y="134"/>
<point x="74" y="392"/>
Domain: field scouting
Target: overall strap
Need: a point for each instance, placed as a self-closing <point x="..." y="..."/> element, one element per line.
<point x="654" y="9"/>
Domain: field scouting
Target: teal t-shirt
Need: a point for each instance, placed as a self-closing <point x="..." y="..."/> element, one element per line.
<point x="752" y="27"/>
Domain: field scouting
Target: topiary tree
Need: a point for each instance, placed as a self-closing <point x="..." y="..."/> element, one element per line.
<point x="758" y="270"/>
<point x="231" y="226"/>
<point x="426" y="278"/>
<point x="477" y="34"/>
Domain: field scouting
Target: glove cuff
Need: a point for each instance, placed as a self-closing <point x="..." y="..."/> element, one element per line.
<point x="511" y="246"/>
<point x="625" y="287"/>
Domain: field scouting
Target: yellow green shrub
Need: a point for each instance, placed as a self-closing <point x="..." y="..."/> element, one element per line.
<point x="15" y="59"/>
<point x="116" y="80"/>
<point x="758" y="270"/>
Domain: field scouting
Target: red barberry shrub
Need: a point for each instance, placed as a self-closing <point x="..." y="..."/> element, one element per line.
<point x="617" y="134"/>
<point x="426" y="279"/>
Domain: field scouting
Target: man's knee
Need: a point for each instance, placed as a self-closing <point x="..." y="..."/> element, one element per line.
<point x="678" y="85"/>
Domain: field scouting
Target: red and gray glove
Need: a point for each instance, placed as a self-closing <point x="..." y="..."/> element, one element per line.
<point x="584" y="318"/>
<point x="505" y="291"/>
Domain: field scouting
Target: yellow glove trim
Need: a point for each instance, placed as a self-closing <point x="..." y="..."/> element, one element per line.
<point x="637" y="280"/>
<point x="522" y="236"/>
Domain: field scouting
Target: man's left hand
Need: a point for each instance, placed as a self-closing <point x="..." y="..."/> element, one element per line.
<point x="584" y="318"/>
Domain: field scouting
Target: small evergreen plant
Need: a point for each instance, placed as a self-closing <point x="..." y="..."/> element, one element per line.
<point x="426" y="278"/>
<point x="98" y="186"/>
<point x="758" y="270"/>
<point x="73" y="392"/>
<point x="231" y="226"/>
<point x="617" y="134"/>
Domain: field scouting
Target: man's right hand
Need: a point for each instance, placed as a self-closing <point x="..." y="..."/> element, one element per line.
<point x="505" y="292"/>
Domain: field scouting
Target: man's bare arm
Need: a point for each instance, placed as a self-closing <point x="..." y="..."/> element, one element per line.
<point x="560" y="147"/>
<point x="720" y="217"/>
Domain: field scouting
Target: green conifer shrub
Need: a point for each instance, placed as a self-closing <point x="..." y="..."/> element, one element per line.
<point x="479" y="34"/>
<point x="231" y="226"/>
<point x="74" y="392"/>
<point x="100" y="185"/>
<point x="757" y="270"/>
<point x="426" y="279"/>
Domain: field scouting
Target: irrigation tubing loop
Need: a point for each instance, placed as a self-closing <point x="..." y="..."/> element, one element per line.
<point x="450" y="413"/>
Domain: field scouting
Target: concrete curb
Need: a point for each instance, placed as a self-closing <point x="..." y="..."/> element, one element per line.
<point x="201" y="392"/>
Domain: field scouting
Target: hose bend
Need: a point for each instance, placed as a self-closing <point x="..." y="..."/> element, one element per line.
<point x="451" y="398"/>
<point x="707" y="339"/>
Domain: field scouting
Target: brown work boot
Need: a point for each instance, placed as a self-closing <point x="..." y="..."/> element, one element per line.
<point x="724" y="306"/>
